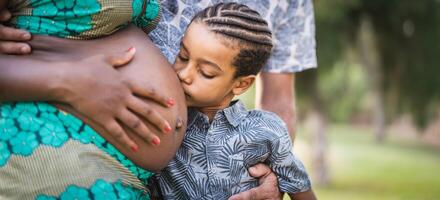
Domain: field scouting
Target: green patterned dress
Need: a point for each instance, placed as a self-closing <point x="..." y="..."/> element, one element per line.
<point x="46" y="153"/>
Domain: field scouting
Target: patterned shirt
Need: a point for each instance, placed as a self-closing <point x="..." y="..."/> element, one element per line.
<point x="291" y="22"/>
<point x="213" y="159"/>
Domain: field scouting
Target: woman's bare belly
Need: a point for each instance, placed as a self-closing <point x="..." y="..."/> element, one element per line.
<point x="148" y="64"/>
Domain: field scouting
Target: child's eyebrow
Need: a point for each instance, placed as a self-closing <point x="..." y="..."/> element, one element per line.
<point x="211" y="64"/>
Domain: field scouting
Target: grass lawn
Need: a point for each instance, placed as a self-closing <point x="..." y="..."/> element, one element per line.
<point x="360" y="169"/>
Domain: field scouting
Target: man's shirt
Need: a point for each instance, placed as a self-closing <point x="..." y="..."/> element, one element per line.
<point x="213" y="159"/>
<point x="291" y="21"/>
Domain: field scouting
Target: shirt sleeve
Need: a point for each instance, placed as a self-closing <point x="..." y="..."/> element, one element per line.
<point x="291" y="173"/>
<point x="293" y="32"/>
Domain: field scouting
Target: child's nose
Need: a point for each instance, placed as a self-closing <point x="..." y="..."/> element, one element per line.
<point x="184" y="75"/>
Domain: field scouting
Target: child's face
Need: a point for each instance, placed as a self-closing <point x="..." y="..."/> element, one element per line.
<point x="204" y="67"/>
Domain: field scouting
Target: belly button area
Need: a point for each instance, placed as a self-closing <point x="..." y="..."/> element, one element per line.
<point x="179" y="123"/>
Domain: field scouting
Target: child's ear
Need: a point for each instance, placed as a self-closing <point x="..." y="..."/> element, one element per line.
<point x="242" y="84"/>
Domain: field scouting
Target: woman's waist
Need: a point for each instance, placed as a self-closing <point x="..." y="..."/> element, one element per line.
<point x="36" y="133"/>
<point x="52" y="171"/>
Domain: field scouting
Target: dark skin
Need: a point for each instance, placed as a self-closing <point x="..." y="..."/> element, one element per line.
<point x="15" y="41"/>
<point x="79" y="60"/>
<point x="72" y="88"/>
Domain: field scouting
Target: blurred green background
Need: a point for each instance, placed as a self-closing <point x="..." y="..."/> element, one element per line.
<point x="368" y="122"/>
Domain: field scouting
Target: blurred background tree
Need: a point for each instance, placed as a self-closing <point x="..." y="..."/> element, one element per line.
<point x="377" y="61"/>
<point x="369" y="115"/>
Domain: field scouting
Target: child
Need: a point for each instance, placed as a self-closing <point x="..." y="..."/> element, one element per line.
<point x="223" y="49"/>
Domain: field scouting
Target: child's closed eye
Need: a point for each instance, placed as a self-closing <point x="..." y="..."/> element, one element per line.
<point x="208" y="76"/>
<point x="182" y="58"/>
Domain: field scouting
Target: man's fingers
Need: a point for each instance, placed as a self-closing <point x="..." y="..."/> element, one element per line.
<point x="5" y="15"/>
<point x="14" y="48"/>
<point x="151" y="115"/>
<point x="121" y="59"/>
<point x="120" y="135"/>
<point x="13" y="34"/>
<point x="246" y="195"/>
<point x="259" y="170"/>
<point x="137" y="125"/>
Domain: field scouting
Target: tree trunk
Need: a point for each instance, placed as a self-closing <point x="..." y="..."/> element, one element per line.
<point x="370" y="59"/>
<point x="319" y="140"/>
<point x="318" y="128"/>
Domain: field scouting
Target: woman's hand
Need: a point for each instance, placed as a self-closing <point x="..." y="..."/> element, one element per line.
<point x="11" y="39"/>
<point x="96" y="89"/>
<point x="268" y="188"/>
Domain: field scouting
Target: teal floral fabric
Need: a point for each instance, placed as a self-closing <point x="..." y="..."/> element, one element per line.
<point x="75" y="18"/>
<point x="24" y="127"/>
<point x="100" y="190"/>
<point x="59" y="17"/>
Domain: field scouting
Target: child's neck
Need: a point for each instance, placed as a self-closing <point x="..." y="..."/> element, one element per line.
<point x="210" y="111"/>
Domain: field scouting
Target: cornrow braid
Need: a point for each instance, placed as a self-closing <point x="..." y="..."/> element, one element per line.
<point x="238" y="23"/>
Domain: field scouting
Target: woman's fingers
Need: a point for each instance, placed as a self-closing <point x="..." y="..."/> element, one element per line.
<point x="120" y="135"/>
<point x="5" y="15"/>
<point x="151" y="115"/>
<point x="13" y="34"/>
<point x="121" y="59"/>
<point x="14" y="48"/>
<point x="151" y="93"/>
<point x="10" y="37"/>
<point x="134" y="123"/>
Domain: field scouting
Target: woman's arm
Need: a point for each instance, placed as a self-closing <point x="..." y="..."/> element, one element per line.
<point x="58" y="63"/>
<point x="31" y="78"/>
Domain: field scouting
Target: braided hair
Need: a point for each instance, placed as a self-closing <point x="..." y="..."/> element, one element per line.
<point x="244" y="27"/>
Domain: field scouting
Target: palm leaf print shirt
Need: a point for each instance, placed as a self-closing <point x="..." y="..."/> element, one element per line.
<point x="291" y="21"/>
<point x="214" y="157"/>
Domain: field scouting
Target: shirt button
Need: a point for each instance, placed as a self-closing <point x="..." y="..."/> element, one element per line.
<point x="212" y="140"/>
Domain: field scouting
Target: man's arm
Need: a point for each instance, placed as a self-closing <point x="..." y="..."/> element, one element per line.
<point x="276" y="93"/>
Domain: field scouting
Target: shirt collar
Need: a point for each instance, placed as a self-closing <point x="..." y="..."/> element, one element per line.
<point x="234" y="113"/>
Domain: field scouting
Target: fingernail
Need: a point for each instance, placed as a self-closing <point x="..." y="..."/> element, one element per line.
<point x="130" y="49"/>
<point x="156" y="141"/>
<point x="25" y="49"/>
<point x="170" y="102"/>
<point x="26" y="36"/>
<point x="134" y="148"/>
<point x="167" y="129"/>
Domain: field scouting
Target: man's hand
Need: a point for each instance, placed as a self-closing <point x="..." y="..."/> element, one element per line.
<point x="102" y="94"/>
<point x="268" y="188"/>
<point x="11" y="39"/>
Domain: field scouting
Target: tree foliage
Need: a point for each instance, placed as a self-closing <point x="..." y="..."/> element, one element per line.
<point x="408" y="37"/>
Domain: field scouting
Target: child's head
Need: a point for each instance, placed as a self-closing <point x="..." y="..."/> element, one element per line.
<point x="223" y="49"/>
